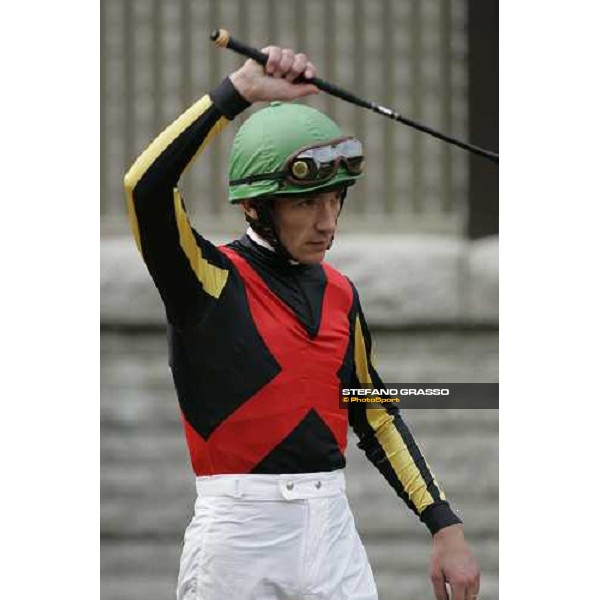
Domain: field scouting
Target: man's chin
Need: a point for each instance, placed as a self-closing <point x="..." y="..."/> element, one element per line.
<point x="313" y="257"/>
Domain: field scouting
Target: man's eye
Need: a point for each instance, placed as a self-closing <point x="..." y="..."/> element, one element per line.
<point x="307" y="202"/>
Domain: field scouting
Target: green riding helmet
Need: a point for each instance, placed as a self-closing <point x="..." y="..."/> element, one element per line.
<point x="268" y="138"/>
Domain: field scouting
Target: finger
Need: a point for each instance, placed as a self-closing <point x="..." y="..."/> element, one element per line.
<point x="473" y="589"/>
<point x="274" y="53"/>
<point x="297" y="68"/>
<point x="285" y="64"/>
<point x="439" y="587"/>
<point x="459" y="591"/>
<point x="472" y="583"/>
<point x="310" y="70"/>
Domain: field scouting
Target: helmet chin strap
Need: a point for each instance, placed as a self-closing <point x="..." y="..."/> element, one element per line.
<point x="264" y="224"/>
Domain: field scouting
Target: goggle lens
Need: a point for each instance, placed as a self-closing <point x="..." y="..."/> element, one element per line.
<point x="315" y="165"/>
<point x="355" y="165"/>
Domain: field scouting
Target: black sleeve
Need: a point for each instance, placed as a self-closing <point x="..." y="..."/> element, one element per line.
<point x="188" y="270"/>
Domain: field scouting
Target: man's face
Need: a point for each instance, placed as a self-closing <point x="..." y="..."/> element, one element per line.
<point x="306" y="225"/>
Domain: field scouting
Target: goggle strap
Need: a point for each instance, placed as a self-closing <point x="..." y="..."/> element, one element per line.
<point x="280" y="175"/>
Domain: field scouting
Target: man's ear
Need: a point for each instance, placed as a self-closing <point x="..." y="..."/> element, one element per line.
<point x="248" y="208"/>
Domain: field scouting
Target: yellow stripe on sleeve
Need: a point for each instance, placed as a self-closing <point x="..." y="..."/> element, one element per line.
<point x="213" y="279"/>
<point x="442" y="495"/>
<point x="388" y="436"/>
<point x="133" y="222"/>
<point x="158" y="146"/>
<point x="360" y="355"/>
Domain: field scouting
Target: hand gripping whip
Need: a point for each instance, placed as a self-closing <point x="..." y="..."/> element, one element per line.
<point x="222" y="38"/>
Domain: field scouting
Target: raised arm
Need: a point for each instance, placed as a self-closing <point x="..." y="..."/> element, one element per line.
<point x="189" y="272"/>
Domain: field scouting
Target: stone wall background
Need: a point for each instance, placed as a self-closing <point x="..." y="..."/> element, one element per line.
<point x="404" y="281"/>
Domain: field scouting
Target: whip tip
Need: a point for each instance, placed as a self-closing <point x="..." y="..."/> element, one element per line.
<point x="220" y="37"/>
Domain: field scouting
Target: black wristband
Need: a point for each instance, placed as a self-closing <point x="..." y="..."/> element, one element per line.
<point x="439" y="515"/>
<point x="228" y="100"/>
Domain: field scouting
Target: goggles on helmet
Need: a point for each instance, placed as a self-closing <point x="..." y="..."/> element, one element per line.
<point x="316" y="164"/>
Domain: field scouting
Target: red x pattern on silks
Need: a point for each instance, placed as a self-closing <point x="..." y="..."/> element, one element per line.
<point x="308" y="378"/>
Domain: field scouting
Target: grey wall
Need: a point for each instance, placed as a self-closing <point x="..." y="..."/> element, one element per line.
<point x="404" y="281"/>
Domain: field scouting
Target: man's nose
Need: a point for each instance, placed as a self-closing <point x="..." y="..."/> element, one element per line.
<point x="327" y="217"/>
